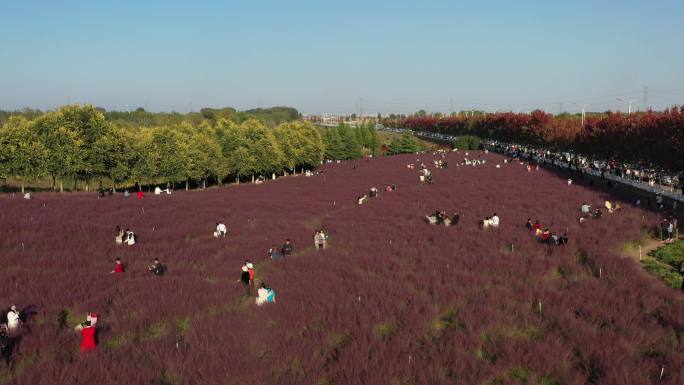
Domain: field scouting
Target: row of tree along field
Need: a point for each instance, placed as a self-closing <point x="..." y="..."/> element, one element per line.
<point x="649" y="137"/>
<point x="118" y="149"/>
<point x="271" y="117"/>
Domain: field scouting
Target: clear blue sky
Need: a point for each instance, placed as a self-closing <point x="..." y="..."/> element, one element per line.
<point x="323" y="56"/>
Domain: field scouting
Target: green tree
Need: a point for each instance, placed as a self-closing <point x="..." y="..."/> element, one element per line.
<point x="373" y="140"/>
<point x="231" y="139"/>
<point x="22" y="154"/>
<point x="116" y="153"/>
<point x="332" y="144"/>
<point x="168" y="153"/>
<point x="262" y="146"/>
<point x="204" y="157"/>
<point x="144" y="168"/>
<point x="301" y="144"/>
<point x="351" y="148"/>
<point x="406" y="143"/>
<point x="64" y="145"/>
<point x="90" y="125"/>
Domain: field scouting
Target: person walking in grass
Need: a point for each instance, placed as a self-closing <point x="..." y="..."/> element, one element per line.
<point x="245" y="278"/>
<point x="250" y="270"/>
<point x="287" y="248"/>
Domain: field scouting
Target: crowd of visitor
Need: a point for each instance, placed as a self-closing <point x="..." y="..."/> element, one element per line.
<point x="265" y="294"/>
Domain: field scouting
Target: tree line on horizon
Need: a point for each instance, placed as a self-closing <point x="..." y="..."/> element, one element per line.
<point x="139" y="117"/>
<point x="82" y="143"/>
<point x="118" y="149"/>
<point x="652" y="137"/>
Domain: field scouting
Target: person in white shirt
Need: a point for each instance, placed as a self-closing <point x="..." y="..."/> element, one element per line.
<point x="221" y="230"/>
<point x="262" y="295"/>
<point x="119" y="235"/>
<point x="319" y="239"/>
<point x="487" y="223"/>
<point x="13" y="319"/>
<point x="129" y="237"/>
<point x="495" y="220"/>
<point x="586" y="208"/>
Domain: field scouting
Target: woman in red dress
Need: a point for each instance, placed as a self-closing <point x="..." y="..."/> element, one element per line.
<point x="88" y="334"/>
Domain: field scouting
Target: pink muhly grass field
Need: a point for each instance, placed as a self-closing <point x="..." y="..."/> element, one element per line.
<point x="392" y="300"/>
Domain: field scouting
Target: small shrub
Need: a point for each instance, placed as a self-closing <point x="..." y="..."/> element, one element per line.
<point x="183" y="325"/>
<point x="339" y="341"/>
<point x="385" y="331"/>
<point x="519" y="373"/>
<point x="447" y="321"/>
<point x="116" y="342"/>
<point x="156" y="330"/>
<point x="467" y="142"/>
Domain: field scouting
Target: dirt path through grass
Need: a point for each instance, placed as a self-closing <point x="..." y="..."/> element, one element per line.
<point x="647" y="245"/>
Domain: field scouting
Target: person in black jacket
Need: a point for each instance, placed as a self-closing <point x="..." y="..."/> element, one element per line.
<point x="157" y="268"/>
<point x="5" y="347"/>
<point x="245" y="278"/>
<point x="287" y="248"/>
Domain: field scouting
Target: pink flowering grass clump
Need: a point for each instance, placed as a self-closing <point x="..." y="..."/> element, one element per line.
<point x="391" y="300"/>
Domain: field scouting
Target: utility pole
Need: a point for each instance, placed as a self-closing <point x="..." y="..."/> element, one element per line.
<point x="583" y="108"/>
